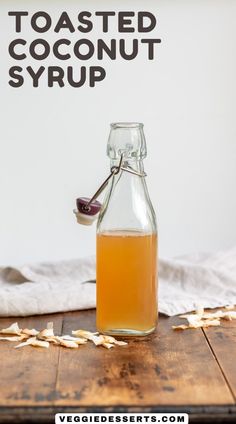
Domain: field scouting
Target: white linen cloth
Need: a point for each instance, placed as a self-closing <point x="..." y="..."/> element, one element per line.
<point x="184" y="284"/>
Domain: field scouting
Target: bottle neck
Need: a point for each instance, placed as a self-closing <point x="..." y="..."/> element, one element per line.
<point x="127" y="205"/>
<point x="129" y="182"/>
<point x="129" y="165"/>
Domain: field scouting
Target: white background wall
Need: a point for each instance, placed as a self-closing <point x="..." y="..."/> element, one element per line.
<point x="53" y="140"/>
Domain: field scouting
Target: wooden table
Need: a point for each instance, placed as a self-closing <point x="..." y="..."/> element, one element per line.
<point x="190" y="371"/>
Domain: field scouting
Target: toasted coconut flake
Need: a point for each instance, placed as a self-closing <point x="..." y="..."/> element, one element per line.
<point x="13" y="329"/>
<point x="84" y="334"/>
<point x="107" y="339"/>
<point x="107" y="345"/>
<point x="23" y="336"/>
<point x="98" y="340"/>
<point x="78" y="340"/>
<point x="191" y="318"/>
<point x="210" y="323"/>
<point x="213" y="315"/>
<point x="194" y="320"/>
<point x="180" y="327"/>
<point x="229" y="307"/>
<point x="120" y="343"/>
<point x="204" y="319"/>
<point x="229" y="315"/>
<point x="28" y="342"/>
<point x="103" y="340"/>
<point x="62" y="340"/>
<point x="14" y="338"/>
<point x="68" y="343"/>
<point x="47" y="332"/>
<point x="88" y="336"/>
<point x="33" y="342"/>
<point x="39" y="343"/>
<point x="30" y="332"/>
<point x="198" y="324"/>
<point x="53" y="340"/>
<point x="33" y="337"/>
<point x="205" y="316"/>
<point x="110" y="339"/>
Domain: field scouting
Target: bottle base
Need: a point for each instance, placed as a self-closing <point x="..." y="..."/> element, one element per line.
<point x="127" y="332"/>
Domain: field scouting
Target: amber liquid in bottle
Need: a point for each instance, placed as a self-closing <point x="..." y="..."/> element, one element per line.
<point x="126" y="282"/>
<point x="127" y="240"/>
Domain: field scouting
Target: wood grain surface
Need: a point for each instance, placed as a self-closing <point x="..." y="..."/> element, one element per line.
<point x="192" y="371"/>
<point x="222" y="342"/>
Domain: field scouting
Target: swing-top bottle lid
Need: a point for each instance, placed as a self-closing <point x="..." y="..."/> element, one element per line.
<point x="87" y="210"/>
<point x="126" y="138"/>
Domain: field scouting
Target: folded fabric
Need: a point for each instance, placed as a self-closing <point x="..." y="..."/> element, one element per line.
<point x="184" y="284"/>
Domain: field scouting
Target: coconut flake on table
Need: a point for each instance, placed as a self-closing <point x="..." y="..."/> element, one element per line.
<point x="14" y="338"/>
<point x="13" y="329"/>
<point x="69" y="344"/>
<point x="99" y="339"/>
<point x="78" y="340"/>
<point x="30" y="332"/>
<point x="33" y="337"/>
<point x="229" y="307"/>
<point x="33" y="341"/>
<point x="198" y="324"/>
<point x="202" y="319"/>
<point x="47" y="332"/>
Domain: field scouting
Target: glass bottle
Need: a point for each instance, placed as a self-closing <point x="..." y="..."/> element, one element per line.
<point x="127" y="241"/>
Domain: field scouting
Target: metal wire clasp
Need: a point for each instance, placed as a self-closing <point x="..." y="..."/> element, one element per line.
<point x="114" y="171"/>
